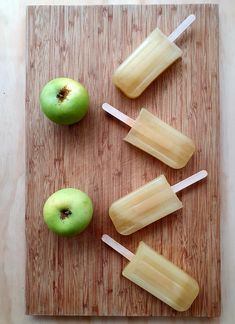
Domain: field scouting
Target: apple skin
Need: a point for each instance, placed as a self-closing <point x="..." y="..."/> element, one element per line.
<point x="64" y="101"/>
<point x="79" y="209"/>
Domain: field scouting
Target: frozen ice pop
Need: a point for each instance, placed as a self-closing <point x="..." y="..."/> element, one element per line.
<point x="160" y="277"/>
<point x="155" y="137"/>
<point x="149" y="203"/>
<point x="149" y="60"/>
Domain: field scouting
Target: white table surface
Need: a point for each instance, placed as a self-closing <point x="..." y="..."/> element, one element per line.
<point x="12" y="163"/>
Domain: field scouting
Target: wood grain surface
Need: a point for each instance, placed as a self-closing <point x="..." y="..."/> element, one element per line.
<point x="80" y="275"/>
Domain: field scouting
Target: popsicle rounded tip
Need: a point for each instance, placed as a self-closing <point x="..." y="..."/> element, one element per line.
<point x="105" y="105"/>
<point x="204" y="173"/>
<point x="104" y="237"/>
<point x="195" y="291"/>
<point x="192" y="17"/>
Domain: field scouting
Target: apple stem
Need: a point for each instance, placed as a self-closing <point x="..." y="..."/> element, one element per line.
<point x="65" y="213"/>
<point x="63" y="93"/>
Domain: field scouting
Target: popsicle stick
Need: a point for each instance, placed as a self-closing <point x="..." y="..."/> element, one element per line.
<point x="118" y="114"/>
<point x="117" y="247"/>
<point x="181" y="28"/>
<point x="189" y="181"/>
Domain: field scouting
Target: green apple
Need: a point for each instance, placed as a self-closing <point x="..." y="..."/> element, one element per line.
<point x="64" y="101"/>
<point x="68" y="211"/>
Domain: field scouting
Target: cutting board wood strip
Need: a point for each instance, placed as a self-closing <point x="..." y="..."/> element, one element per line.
<point x="80" y="275"/>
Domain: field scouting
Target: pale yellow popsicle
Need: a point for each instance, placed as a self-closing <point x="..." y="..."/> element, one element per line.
<point x="149" y="203"/>
<point x="149" y="60"/>
<point x="145" y="64"/>
<point x="155" y="137"/>
<point x="161" y="278"/>
<point x="159" y="139"/>
<point x="144" y="206"/>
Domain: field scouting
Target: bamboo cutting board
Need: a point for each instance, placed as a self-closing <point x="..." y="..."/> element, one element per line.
<point x="80" y="275"/>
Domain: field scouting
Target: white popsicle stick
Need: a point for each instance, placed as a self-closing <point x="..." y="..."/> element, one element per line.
<point x="117" y="247"/>
<point x="181" y="28"/>
<point x="118" y="114"/>
<point x="189" y="181"/>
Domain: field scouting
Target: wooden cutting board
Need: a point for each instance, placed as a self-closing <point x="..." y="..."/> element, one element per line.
<point x="80" y="275"/>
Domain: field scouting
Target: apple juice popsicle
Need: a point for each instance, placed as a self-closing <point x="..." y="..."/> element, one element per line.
<point x="157" y="275"/>
<point x="149" y="60"/>
<point x="155" y="137"/>
<point x="149" y="203"/>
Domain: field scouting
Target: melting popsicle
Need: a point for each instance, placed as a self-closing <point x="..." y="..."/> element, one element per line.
<point x="155" y="137"/>
<point x="149" y="203"/>
<point x="160" y="277"/>
<point x="149" y="60"/>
